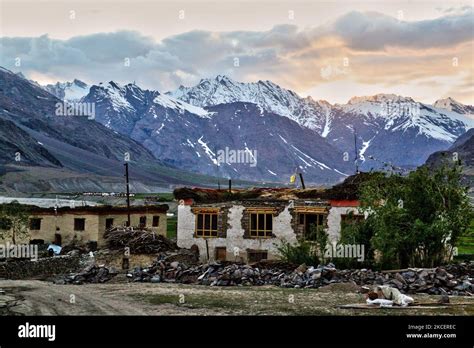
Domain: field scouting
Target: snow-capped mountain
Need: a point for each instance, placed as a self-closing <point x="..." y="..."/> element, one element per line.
<point x="383" y="128"/>
<point x="120" y="106"/>
<point x="190" y="137"/>
<point x="68" y="91"/>
<point x="187" y="127"/>
<point x="266" y="94"/>
<point x="394" y="129"/>
<point x="67" y="153"/>
<point x="452" y="105"/>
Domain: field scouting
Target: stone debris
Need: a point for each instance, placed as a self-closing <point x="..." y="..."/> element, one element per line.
<point x="8" y="302"/>
<point x="140" y="241"/>
<point x="90" y="274"/>
<point x="456" y="279"/>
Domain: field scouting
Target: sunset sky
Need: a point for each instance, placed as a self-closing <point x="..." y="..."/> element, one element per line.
<point x="330" y="50"/>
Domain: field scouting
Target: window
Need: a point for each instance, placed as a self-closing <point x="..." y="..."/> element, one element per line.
<point x="257" y="255"/>
<point x="109" y="223"/>
<point x="58" y="240"/>
<point x="309" y="221"/>
<point x="221" y="253"/>
<point x="35" y="224"/>
<point x="156" y="221"/>
<point x="206" y="224"/>
<point x="350" y="219"/>
<point x="261" y="225"/>
<point x="142" y="221"/>
<point x="79" y="224"/>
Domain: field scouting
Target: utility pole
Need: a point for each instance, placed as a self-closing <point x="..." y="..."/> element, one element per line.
<point x="302" y="181"/>
<point x="128" y="194"/>
<point x="356" y="154"/>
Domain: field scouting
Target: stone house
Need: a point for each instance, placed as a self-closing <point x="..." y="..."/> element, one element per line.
<point x="248" y="225"/>
<point x="89" y="223"/>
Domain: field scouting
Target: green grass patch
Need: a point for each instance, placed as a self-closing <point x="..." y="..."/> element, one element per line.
<point x="159" y="197"/>
<point x="209" y="300"/>
<point x="466" y="243"/>
<point x="171" y="229"/>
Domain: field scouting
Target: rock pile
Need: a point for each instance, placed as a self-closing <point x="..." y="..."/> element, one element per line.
<point x="8" y="302"/>
<point x="449" y="280"/>
<point x="90" y="274"/>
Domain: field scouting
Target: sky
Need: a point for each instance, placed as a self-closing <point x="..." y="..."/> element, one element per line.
<point x="331" y="50"/>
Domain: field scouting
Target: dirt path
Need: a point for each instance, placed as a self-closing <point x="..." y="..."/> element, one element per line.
<point x="123" y="298"/>
<point x="45" y="298"/>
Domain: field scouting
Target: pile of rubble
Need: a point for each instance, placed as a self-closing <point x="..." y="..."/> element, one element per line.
<point x="449" y="280"/>
<point x="139" y="241"/>
<point x="8" y="302"/>
<point x="90" y="274"/>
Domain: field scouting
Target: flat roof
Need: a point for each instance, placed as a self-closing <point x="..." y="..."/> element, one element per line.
<point x="99" y="210"/>
<point x="348" y="190"/>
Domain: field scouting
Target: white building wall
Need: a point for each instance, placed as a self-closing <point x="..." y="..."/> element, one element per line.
<point x="334" y="221"/>
<point x="282" y="230"/>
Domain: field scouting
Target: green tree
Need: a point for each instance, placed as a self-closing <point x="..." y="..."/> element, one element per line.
<point x="319" y="235"/>
<point x="14" y="219"/>
<point x="416" y="219"/>
<point x="359" y="232"/>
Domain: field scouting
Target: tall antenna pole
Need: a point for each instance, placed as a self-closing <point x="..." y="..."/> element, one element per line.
<point x="217" y="168"/>
<point x="356" y="154"/>
<point x="128" y="194"/>
<point x="302" y="180"/>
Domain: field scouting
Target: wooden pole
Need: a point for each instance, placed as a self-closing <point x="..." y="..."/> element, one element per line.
<point x="302" y="181"/>
<point x="356" y="161"/>
<point x="128" y="194"/>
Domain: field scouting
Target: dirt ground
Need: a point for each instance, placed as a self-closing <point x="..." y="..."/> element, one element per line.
<point x="122" y="298"/>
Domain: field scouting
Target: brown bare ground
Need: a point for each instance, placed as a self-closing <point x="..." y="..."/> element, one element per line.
<point x="123" y="298"/>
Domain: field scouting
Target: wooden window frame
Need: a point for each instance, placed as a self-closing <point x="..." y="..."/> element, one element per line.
<point x="31" y="223"/>
<point x="218" y="250"/>
<point x="257" y="255"/>
<point x="351" y="218"/>
<point x="201" y="231"/>
<point x="108" y="219"/>
<point x="142" y="224"/>
<point x="156" y="218"/>
<point x="254" y="233"/>
<point x="304" y="215"/>
<point x="75" y="226"/>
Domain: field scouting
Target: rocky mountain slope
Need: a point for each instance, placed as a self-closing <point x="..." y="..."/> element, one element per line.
<point x="382" y="129"/>
<point x="72" y="149"/>
<point x="191" y="137"/>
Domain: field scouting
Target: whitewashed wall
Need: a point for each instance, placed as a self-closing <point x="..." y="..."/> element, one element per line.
<point x="334" y="221"/>
<point x="281" y="229"/>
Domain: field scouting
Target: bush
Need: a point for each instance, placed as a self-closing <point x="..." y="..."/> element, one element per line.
<point x="299" y="253"/>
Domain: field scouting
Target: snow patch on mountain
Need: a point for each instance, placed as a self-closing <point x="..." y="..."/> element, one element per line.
<point x="397" y="113"/>
<point x="180" y="106"/>
<point x="68" y="91"/>
<point x="450" y="104"/>
<point x="266" y="94"/>
<point x="208" y="151"/>
<point x="365" y="146"/>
